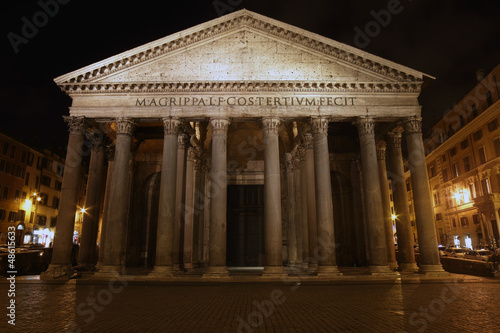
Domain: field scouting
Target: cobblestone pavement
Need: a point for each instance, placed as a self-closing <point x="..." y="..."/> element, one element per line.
<point x="269" y="307"/>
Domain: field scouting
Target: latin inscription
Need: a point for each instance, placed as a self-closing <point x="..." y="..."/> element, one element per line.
<point x="246" y="101"/>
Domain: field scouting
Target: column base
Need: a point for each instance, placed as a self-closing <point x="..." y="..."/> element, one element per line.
<point x="305" y="266"/>
<point x="393" y="265"/>
<point x="381" y="271"/>
<point x="109" y="271"/>
<point x="408" y="267"/>
<point x="328" y="271"/>
<point x="313" y="268"/>
<point x="53" y="272"/>
<point x="162" y="272"/>
<point x="273" y="272"/>
<point x="188" y="266"/>
<point x="216" y="272"/>
<point x="433" y="270"/>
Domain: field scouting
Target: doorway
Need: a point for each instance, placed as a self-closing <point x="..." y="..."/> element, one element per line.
<point x="245" y="226"/>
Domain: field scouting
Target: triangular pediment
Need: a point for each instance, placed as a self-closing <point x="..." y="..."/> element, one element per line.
<point x="239" y="47"/>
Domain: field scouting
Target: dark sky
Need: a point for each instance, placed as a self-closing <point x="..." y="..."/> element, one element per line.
<point x="448" y="39"/>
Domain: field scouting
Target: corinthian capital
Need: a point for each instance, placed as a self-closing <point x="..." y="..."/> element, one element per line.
<point x="219" y="125"/>
<point x="307" y="139"/>
<point x="413" y="125"/>
<point x="171" y="125"/>
<point x="366" y="126"/>
<point x="320" y="125"/>
<point x="182" y="140"/>
<point x="96" y="139"/>
<point x="381" y="150"/>
<point x="125" y="126"/>
<point x="394" y="139"/>
<point x="270" y="125"/>
<point x="75" y="124"/>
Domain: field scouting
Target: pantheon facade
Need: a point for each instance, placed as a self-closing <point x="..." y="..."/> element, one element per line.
<point x="245" y="142"/>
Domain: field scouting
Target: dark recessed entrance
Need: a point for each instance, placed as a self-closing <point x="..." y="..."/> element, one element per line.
<point x="245" y="225"/>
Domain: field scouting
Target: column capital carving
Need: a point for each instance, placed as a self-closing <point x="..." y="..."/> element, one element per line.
<point x="413" y="125"/>
<point x="270" y="124"/>
<point x="301" y="153"/>
<point x="394" y="139"/>
<point x="381" y="147"/>
<point x="171" y="125"/>
<point x="307" y="139"/>
<point x="192" y="154"/>
<point x="320" y="125"/>
<point x="76" y="125"/>
<point x="296" y="161"/>
<point x="182" y="140"/>
<point x="96" y="140"/>
<point x="125" y="126"/>
<point x="219" y="125"/>
<point x="366" y="126"/>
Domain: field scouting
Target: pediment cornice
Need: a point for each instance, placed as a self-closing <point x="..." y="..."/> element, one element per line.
<point x="243" y="86"/>
<point x="82" y="79"/>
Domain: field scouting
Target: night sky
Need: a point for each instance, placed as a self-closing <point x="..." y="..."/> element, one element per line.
<point x="448" y="39"/>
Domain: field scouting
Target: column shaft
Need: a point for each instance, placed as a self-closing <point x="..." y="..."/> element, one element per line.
<point x="373" y="199"/>
<point x="291" y="212"/>
<point x="327" y="264"/>
<point x="189" y="209"/>
<point x="180" y="188"/>
<point x="166" y="211"/>
<point x="86" y="254"/>
<point x="386" y="205"/>
<point x="120" y="197"/>
<point x="298" y="210"/>
<point x="110" y="153"/>
<point x="272" y="198"/>
<point x="406" y="254"/>
<point x="424" y="212"/>
<point x="63" y="240"/>
<point x="303" y="207"/>
<point x="218" y="199"/>
<point x="311" y="202"/>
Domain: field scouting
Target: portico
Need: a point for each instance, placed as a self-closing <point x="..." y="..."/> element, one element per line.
<point x="245" y="100"/>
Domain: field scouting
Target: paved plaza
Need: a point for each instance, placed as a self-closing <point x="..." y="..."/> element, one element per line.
<point x="348" y="306"/>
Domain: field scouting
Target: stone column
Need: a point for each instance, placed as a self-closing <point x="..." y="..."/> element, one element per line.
<point x="373" y="199"/>
<point x="386" y="205"/>
<point x="298" y="210"/>
<point x="166" y="211"/>
<point x="180" y="188"/>
<point x="306" y="258"/>
<point x="218" y="200"/>
<point x="327" y="263"/>
<point x="110" y="155"/>
<point x="119" y="202"/>
<point x="311" y="202"/>
<point x="424" y="212"/>
<point x="272" y="199"/>
<point x="86" y="254"/>
<point x="292" y="212"/>
<point x="63" y="241"/>
<point x="189" y="209"/>
<point x="198" y="210"/>
<point x="406" y="254"/>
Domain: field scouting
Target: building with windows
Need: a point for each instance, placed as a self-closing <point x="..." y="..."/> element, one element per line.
<point x="30" y="191"/>
<point x="463" y="163"/>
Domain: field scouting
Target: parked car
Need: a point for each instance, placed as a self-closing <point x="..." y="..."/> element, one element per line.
<point x="483" y="255"/>
<point x="454" y="252"/>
